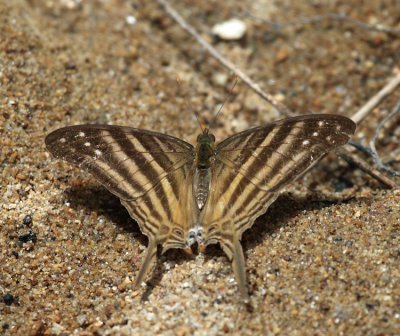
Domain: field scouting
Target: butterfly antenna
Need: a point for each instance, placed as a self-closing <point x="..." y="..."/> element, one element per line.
<point x="214" y="121"/>
<point x="190" y="106"/>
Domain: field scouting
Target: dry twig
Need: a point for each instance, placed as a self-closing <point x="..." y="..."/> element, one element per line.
<point x="373" y="152"/>
<point x="364" y="166"/>
<point x="376" y="99"/>
<point x="329" y="16"/>
<point x="359" y="116"/>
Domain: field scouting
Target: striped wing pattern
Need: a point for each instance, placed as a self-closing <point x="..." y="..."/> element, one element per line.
<point x="148" y="171"/>
<point x="152" y="174"/>
<point x="252" y="167"/>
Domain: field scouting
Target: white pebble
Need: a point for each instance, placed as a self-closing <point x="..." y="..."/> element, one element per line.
<point x="131" y="20"/>
<point x="230" y="30"/>
<point x="220" y="78"/>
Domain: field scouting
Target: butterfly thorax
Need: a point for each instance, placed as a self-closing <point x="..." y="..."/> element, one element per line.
<point x="205" y="150"/>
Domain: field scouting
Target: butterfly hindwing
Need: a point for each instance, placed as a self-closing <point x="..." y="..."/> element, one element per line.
<point x="164" y="214"/>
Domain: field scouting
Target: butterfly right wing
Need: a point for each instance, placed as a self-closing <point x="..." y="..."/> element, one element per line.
<point x="252" y="167"/>
<point x="150" y="172"/>
<point x="268" y="158"/>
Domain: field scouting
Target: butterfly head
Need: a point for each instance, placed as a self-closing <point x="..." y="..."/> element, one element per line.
<point x="206" y="137"/>
<point x="205" y="149"/>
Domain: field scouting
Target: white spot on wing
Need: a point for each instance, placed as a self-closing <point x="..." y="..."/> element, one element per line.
<point x="81" y="134"/>
<point x="87" y="144"/>
<point x="306" y="142"/>
<point x="315" y="134"/>
<point x="62" y="140"/>
<point x="98" y="152"/>
<point x="320" y="123"/>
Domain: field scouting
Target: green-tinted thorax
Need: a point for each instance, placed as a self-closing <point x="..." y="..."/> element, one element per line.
<point x="205" y="149"/>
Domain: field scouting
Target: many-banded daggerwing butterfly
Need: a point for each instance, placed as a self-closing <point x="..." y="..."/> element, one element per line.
<point x="209" y="193"/>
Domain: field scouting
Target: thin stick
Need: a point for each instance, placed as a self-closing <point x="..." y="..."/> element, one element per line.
<point x="329" y="16"/>
<point x="358" y="117"/>
<point x="376" y="99"/>
<point x="374" y="153"/>
<point x="354" y="159"/>
<point x="217" y="55"/>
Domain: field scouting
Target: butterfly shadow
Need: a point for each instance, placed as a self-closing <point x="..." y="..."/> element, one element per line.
<point x="278" y="215"/>
<point x="97" y="199"/>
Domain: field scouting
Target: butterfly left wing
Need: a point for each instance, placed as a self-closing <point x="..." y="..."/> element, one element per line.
<point x="150" y="172"/>
<point x="252" y="167"/>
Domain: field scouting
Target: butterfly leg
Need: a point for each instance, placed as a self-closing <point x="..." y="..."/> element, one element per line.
<point x="147" y="262"/>
<point x="234" y="251"/>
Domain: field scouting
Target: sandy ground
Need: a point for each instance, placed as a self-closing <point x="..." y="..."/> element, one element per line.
<point x="323" y="260"/>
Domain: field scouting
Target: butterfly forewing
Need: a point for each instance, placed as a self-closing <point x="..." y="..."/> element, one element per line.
<point x="127" y="161"/>
<point x="273" y="155"/>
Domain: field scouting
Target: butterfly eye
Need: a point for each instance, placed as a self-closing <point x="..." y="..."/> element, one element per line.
<point x="212" y="137"/>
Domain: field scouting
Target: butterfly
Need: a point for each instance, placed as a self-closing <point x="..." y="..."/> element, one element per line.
<point x="208" y="193"/>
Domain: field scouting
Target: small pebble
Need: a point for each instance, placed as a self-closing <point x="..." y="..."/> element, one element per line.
<point x="27" y="220"/>
<point x="231" y="30"/>
<point x="8" y="299"/>
<point x="220" y="78"/>
<point x="131" y="20"/>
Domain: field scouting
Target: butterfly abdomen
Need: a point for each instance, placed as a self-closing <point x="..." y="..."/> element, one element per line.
<point x="201" y="186"/>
